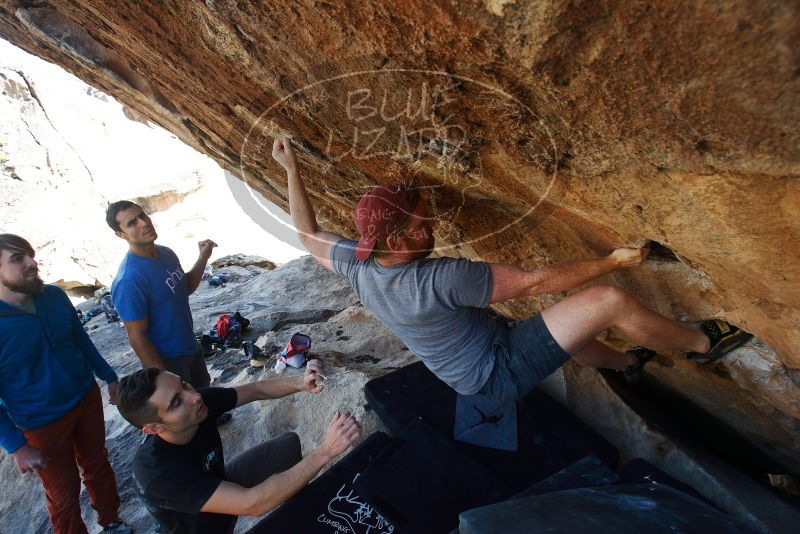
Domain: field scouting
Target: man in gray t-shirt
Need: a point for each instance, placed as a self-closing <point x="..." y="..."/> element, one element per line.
<point x="439" y="307"/>
<point x="436" y="306"/>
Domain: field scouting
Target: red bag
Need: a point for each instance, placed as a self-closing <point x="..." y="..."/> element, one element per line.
<point x="223" y="326"/>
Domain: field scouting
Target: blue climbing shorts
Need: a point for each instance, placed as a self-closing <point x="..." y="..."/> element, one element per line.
<point x="525" y="353"/>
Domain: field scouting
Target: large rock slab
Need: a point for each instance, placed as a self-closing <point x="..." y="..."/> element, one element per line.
<point x="547" y="131"/>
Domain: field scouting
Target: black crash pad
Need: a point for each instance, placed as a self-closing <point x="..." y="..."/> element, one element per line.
<point x="329" y="504"/>
<point x="640" y="471"/>
<point x="586" y="472"/>
<point x="421" y="482"/>
<point x="651" y="508"/>
<point x="550" y="437"/>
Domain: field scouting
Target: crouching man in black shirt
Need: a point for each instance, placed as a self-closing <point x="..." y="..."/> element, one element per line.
<point x="180" y="470"/>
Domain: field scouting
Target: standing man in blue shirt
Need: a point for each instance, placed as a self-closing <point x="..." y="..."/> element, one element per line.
<point x="151" y="293"/>
<point x="51" y="412"/>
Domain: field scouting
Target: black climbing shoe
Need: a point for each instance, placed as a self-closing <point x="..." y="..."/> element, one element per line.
<point x="724" y="338"/>
<point x="634" y="373"/>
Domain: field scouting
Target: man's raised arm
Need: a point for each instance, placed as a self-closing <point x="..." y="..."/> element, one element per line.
<point x="195" y="275"/>
<point x="509" y="281"/>
<point x="318" y="243"/>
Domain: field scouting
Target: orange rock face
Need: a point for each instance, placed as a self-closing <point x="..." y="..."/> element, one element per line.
<point x="546" y="131"/>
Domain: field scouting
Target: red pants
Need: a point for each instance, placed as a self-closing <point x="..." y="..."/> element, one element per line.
<point x="78" y="435"/>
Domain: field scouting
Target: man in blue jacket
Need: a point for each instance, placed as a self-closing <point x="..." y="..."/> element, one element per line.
<point x="51" y="412"/>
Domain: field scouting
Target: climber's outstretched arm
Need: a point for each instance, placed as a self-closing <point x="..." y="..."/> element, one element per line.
<point x="317" y="242"/>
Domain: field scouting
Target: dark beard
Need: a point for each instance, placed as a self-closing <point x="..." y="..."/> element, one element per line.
<point x="30" y="286"/>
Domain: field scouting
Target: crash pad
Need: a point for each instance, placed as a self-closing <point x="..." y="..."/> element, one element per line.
<point x="550" y="438"/>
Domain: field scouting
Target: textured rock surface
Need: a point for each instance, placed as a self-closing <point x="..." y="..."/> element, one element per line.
<point x="619" y="122"/>
<point x="242" y="260"/>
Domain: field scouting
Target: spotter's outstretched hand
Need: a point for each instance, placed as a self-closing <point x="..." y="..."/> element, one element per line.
<point x="342" y="432"/>
<point x="205" y="247"/>
<point x="312" y="377"/>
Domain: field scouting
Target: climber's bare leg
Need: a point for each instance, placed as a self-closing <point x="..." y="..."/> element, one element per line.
<point x="577" y="319"/>
<point x="601" y="356"/>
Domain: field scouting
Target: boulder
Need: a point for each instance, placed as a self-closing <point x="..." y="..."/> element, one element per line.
<point x="243" y="260"/>
<point x="547" y="131"/>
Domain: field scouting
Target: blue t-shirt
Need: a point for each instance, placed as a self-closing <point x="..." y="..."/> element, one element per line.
<point x="436" y="306"/>
<point x="156" y="289"/>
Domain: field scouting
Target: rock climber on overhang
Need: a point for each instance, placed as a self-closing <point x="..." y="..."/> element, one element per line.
<point x="439" y="307"/>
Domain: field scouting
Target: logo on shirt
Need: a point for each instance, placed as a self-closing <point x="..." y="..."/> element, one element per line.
<point x="173" y="278"/>
<point x="210" y="461"/>
<point x="404" y="120"/>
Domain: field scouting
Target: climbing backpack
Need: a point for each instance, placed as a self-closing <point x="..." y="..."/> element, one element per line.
<point x="227" y="332"/>
<point x="223" y="327"/>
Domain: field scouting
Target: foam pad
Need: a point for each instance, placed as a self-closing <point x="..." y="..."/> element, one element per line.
<point x="639" y="471"/>
<point x="586" y="472"/>
<point x="329" y="504"/>
<point x="550" y="437"/>
<point x="651" y="508"/>
<point x="481" y="421"/>
<point x="422" y="481"/>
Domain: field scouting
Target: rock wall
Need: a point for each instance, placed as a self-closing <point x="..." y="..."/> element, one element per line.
<point x="545" y="131"/>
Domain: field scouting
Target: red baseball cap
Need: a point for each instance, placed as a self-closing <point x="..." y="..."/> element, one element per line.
<point x="380" y="212"/>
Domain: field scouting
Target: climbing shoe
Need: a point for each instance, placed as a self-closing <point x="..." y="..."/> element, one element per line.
<point x="724" y="338"/>
<point x="634" y="373"/>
